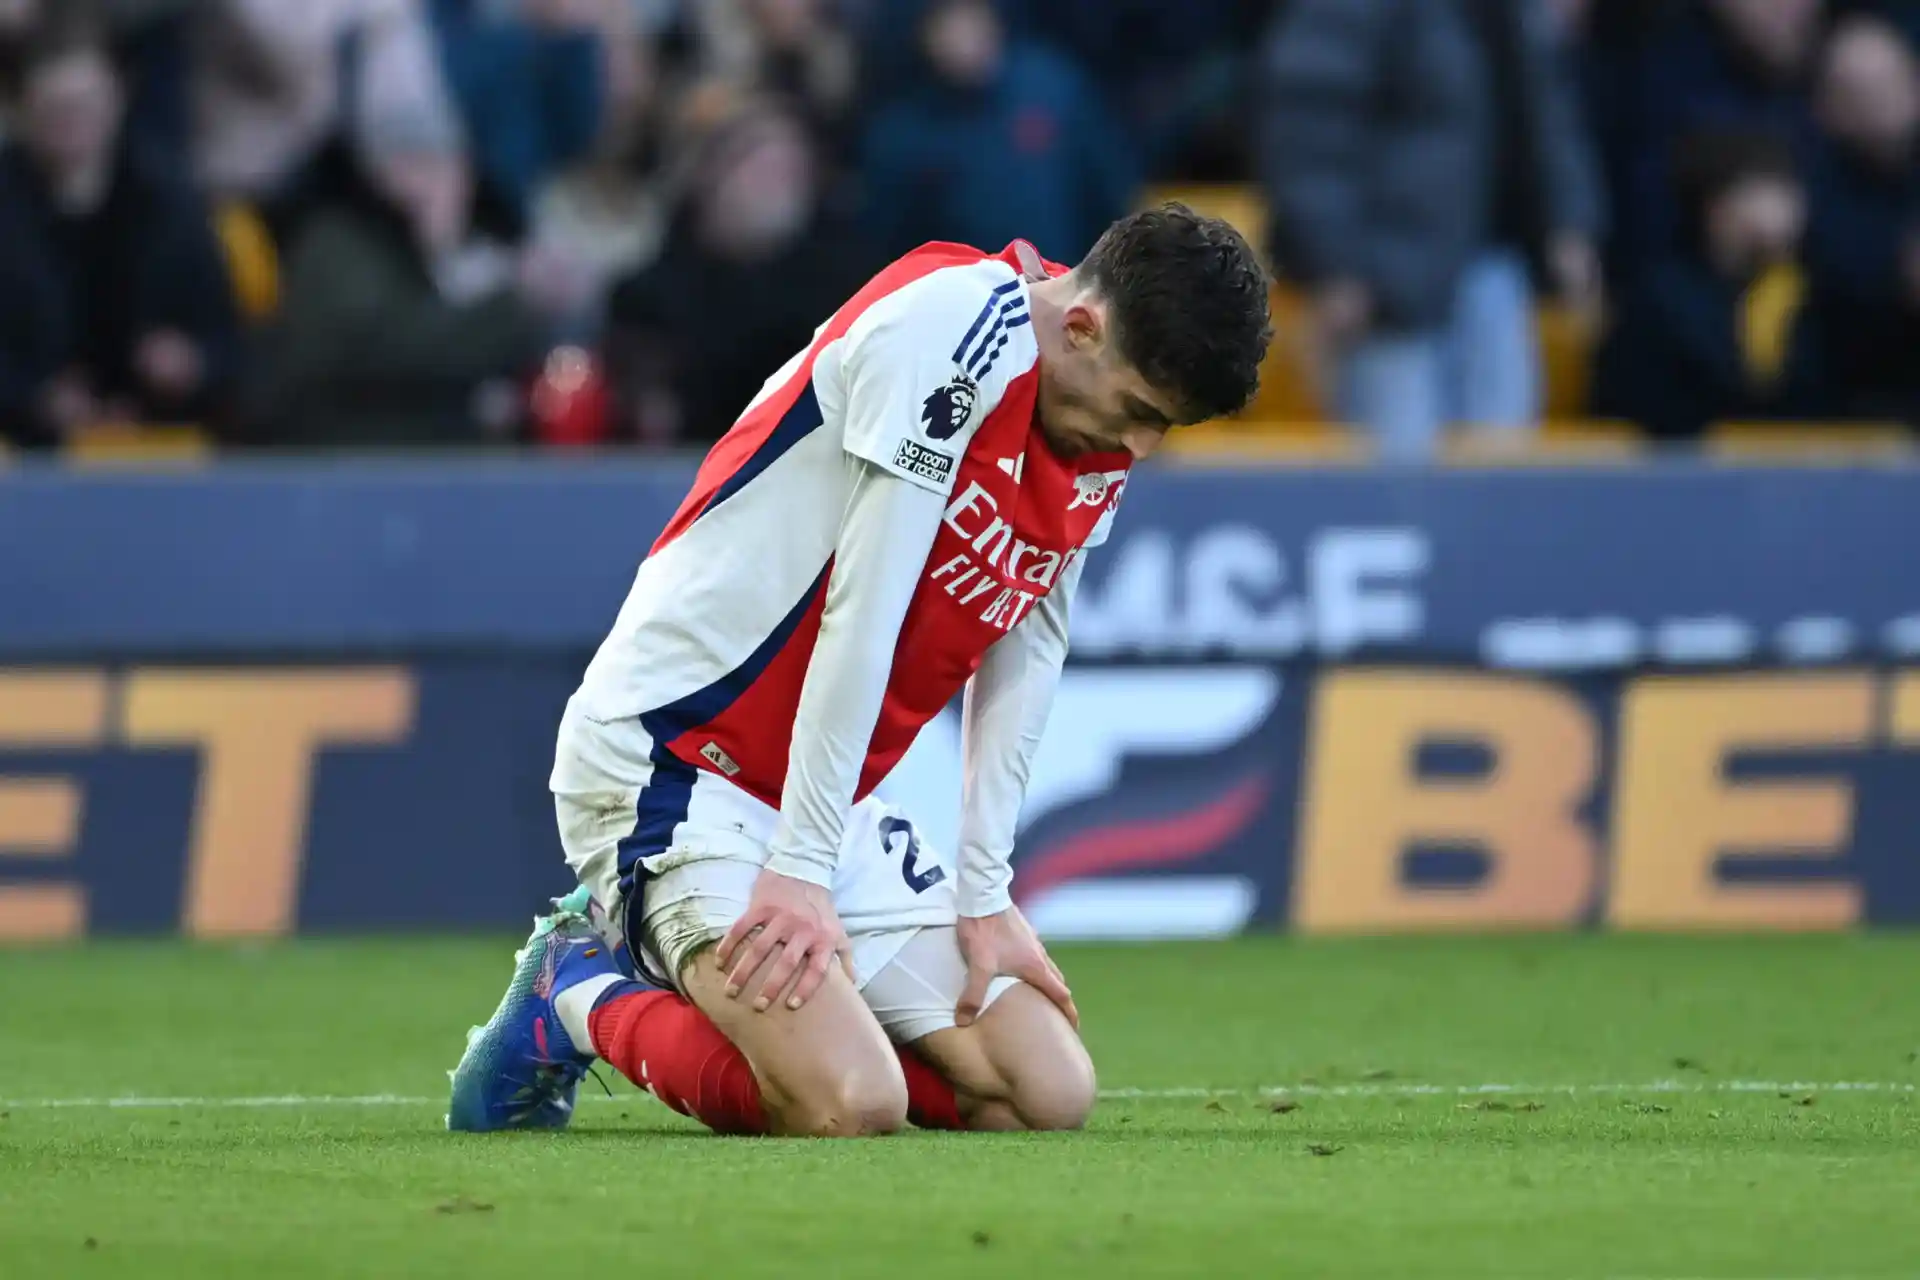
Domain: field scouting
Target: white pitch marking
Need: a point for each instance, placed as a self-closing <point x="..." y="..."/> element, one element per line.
<point x="1474" y="1090"/>
<point x="1377" y="1090"/>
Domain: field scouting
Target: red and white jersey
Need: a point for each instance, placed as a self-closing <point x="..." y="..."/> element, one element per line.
<point x="882" y="517"/>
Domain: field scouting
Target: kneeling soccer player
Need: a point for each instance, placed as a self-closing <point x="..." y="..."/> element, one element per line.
<point x="899" y="515"/>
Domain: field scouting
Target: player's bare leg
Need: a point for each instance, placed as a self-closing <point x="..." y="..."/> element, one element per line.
<point x="1019" y="1066"/>
<point x="825" y="1070"/>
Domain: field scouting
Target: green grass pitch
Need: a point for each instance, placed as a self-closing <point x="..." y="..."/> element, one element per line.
<point x="1645" y="1137"/>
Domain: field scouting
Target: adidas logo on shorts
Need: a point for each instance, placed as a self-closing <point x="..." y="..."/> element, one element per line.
<point x="719" y="759"/>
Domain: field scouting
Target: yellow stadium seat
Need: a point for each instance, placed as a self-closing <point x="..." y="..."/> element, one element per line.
<point x="1601" y="435"/>
<point x="1609" y="428"/>
<point x="1567" y="342"/>
<point x="1558" y="443"/>
<point x="132" y="444"/>
<point x="253" y="262"/>
<point x="1291" y="379"/>
<point x="1803" y="443"/>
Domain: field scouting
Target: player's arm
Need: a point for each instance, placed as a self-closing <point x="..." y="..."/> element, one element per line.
<point x="1007" y="705"/>
<point x="885" y="538"/>
<point x="895" y="358"/>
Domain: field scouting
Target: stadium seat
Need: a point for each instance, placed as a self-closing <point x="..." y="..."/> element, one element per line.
<point x="253" y="261"/>
<point x="1560" y="442"/>
<point x="1803" y="443"/>
<point x="1567" y="341"/>
<point x="1289" y="380"/>
<point x="131" y="444"/>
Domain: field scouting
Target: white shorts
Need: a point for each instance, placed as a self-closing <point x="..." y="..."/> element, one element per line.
<point x="671" y="854"/>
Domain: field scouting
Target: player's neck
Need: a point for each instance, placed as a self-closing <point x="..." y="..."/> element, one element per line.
<point x="1048" y="301"/>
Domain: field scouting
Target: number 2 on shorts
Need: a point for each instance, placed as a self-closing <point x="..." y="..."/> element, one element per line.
<point x="917" y="880"/>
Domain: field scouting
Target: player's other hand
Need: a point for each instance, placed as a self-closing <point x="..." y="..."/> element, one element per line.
<point x="792" y="923"/>
<point x="1006" y="944"/>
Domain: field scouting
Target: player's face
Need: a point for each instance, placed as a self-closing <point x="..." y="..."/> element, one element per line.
<point x="1092" y="401"/>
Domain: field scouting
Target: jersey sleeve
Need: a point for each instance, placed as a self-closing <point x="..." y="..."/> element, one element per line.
<point x="1007" y="705"/>
<point x="926" y="365"/>
<point x="881" y="551"/>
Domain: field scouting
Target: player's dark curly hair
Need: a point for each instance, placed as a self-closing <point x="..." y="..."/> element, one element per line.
<point x="1190" y="303"/>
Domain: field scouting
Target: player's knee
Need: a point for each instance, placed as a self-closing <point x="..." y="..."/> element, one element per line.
<point x="857" y="1105"/>
<point x="1059" y="1094"/>
<point x="1034" y="1063"/>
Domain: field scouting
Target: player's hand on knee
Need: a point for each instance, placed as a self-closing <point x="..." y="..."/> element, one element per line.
<point x="1005" y="944"/>
<point x="792" y="924"/>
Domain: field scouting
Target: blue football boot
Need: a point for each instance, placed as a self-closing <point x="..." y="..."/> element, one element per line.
<point x="521" y="1070"/>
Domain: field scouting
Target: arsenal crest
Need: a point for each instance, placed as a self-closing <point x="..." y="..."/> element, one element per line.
<point x="1089" y="490"/>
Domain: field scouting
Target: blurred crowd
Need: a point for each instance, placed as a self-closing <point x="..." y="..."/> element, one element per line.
<point x="352" y="223"/>
<point x="1723" y="190"/>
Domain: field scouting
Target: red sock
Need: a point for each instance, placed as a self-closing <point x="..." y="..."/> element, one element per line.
<point x="665" y="1045"/>
<point x="930" y="1100"/>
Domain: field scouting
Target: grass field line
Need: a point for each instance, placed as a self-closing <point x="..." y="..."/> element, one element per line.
<point x="1374" y="1089"/>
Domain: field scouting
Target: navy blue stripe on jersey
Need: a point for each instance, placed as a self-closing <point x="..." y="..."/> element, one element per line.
<point x="705" y="705"/>
<point x="795" y="425"/>
<point x="982" y="361"/>
<point x="995" y="301"/>
<point x="985" y="348"/>
<point x="662" y="804"/>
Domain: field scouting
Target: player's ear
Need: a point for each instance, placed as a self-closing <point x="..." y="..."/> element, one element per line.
<point x="1085" y="326"/>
